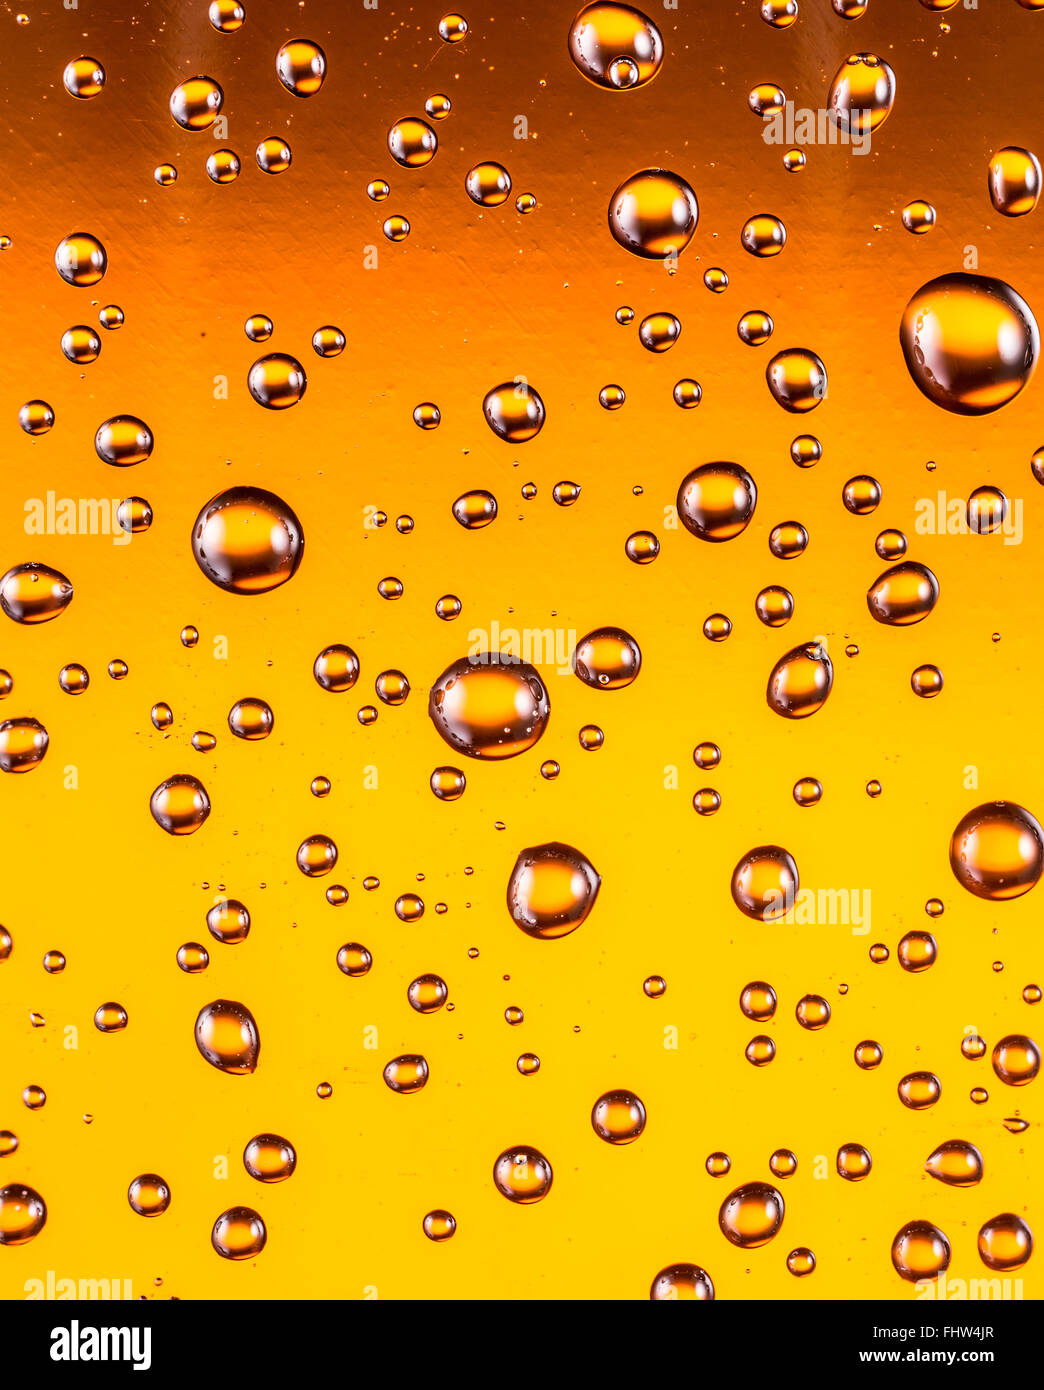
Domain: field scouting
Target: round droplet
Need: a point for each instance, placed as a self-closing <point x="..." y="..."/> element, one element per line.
<point x="987" y="510"/>
<point x="406" y="1075"/>
<point x="81" y="344"/>
<point x="1016" y="1059"/>
<point x="766" y="99"/>
<point x="110" y="1018"/>
<point x="336" y="668"/>
<point x="618" y="1117"/>
<point x="226" y="16"/>
<point x="196" y="104"/>
<point x="797" y="379"/>
<point x="239" y="1234"/>
<point x="812" y="1012"/>
<point x="918" y="217"/>
<point x="1005" y="1241"/>
<point x="642" y="547"/>
<point x="861" y="94"/>
<point x="83" y="78"/>
<point x="475" y="509"/>
<point x="917" y="951"/>
<point x="316" y="856"/>
<point x="755" y="327"/>
<point x="439" y="1225"/>
<point x="80" y="259"/>
<point x="971" y="343"/>
<point x="615" y="46"/>
<point x="247" y="541"/>
<point x="270" y="1158"/>
<point x="301" y="67"/>
<point x="682" y="1281"/>
<point x="514" y="411"/>
<point x="328" y="341"/>
<point x="853" y="1162"/>
<point x="489" y="705"/>
<point x="758" y="1001"/>
<point x="903" y="595"/>
<point x="228" y="921"/>
<point x="413" y="143"/>
<point x="653" y="214"/>
<point x="551" y="890"/>
<point x="868" y="1054"/>
<point x="763" y="235"/>
<point x="751" y="1215"/>
<point x="277" y="381"/>
<point x="36" y="417"/>
<point x="354" y="960"/>
<point x="765" y="883"/>
<point x="427" y="993"/>
<point x="180" y="805"/>
<point x="251" y="718"/>
<point x="920" y="1251"/>
<point x="716" y="501"/>
<point x="227" y="1037"/>
<point x="273" y="156"/>
<point x="223" y="166"/>
<point x="23" y="1213"/>
<point x="687" y="393"/>
<point x="997" y="851"/>
<point x="659" y="332"/>
<point x="148" y="1195"/>
<point x="861" y="495"/>
<point x="607" y="659"/>
<point x="919" y="1089"/>
<point x="488" y="184"/>
<point x="522" y="1174"/>
<point x="800" y="681"/>
<point x="23" y="744"/>
<point x="774" y="606"/>
<point x="956" y="1163"/>
<point x="1014" y="181"/>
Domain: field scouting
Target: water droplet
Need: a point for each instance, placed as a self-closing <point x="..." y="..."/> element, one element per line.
<point x="956" y="1163"/>
<point x="751" y="1215"/>
<point x="903" y="595"/>
<point x="800" y="681"/>
<point x="618" y="1117"/>
<point x="919" y="1089"/>
<point x="797" y="379"/>
<point x="763" y="235"/>
<point x="239" y="1233"/>
<point x="301" y="67"/>
<point x="85" y="77"/>
<point x="551" y="891"/>
<point x="1014" y="181"/>
<point x="653" y="214"/>
<point x="607" y="659"/>
<point x="971" y="343"/>
<point x="1005" y="1242"/>
<point x="862" y="93"/>
<point x="488" y="184"/>
<point x="270" y="1158"/>
<point x="918" y="217"/>
<point x="514" y="411"/>
<point x="227" y="1037"/>
<point x="853" y="1162"/>
<point x="196" y="104"/>
<point x="80" y="259"/>
<point x="23" y="744"/>
<point x="148" y="1195"/>
<point x="247" y="541"/>
<point x="522" y="1174"/>
<point x="765" y="883"/>
<point x="920" y="1251"/>
<point x="406" y="1075"/>
<point x="716" y="501"/>
<point x="277" y="381"/>
<point x="23" y="1214"/>
<point x="489" y="705"/>
<point x="682" y="1281"/>
<point x="997" y="851"/>
<point x="1016" y="1059"/>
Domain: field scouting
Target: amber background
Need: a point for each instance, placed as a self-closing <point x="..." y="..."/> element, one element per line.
<point x="470" y="299"/>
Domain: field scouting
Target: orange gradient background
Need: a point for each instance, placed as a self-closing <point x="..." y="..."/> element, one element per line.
<point x="472" y="298"/>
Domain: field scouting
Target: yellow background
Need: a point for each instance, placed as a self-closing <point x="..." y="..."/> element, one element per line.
<point x="473" y="298"/>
